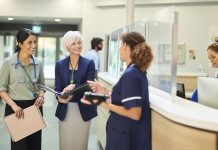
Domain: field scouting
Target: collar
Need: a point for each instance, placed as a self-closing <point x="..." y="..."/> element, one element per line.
<point x="130" y="65"/>
<point x="15" y="59"/>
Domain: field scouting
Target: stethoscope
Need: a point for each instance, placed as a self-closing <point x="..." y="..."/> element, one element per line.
<point x="34" y="65"/>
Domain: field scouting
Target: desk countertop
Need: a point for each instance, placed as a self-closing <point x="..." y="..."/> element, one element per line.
<point x="179" y="110"/>
<point x="183" y="111"/>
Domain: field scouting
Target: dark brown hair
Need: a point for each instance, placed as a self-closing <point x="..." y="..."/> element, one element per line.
<point x="214" y="46"/>
<point x="141" y="53"/>
<point x="22" y="35"/>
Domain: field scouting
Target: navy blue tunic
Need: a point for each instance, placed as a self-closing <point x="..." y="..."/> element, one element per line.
<point x="124" y="133"/>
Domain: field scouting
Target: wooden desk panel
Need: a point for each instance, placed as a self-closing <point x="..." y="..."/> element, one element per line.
<point x="168" y="135"/>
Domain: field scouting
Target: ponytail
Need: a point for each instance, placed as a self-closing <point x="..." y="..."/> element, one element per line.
<point x="17" y="48"/>
<point x="142" y="56"/>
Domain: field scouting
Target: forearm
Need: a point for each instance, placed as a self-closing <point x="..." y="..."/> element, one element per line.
<point x="131" y="113"/>
<point x="106" y="91"/>
<point x="41" y="93"/>
<point x="7" y="99"/>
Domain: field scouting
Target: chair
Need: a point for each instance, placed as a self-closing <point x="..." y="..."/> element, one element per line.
<point x="194" y="97"/>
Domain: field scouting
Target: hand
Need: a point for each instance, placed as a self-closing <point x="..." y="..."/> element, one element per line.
<point x="64" y="101"/>
<point x="68" y="88"/>
<point x="97" y="87"/>
<point x="18" y="111"/>
<point x="84" y="101"/>
<point x="39" y="101"/>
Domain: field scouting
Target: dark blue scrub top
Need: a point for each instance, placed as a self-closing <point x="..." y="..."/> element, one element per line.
<point x="124" y="133"/>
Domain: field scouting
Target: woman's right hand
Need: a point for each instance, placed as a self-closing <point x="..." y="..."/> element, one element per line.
<point x="18" y="111"/>
<point x="97" y="87"/>
<point x="69" y="88"/>
<point x="65" y="101"/>
<point x="66" y="89"/>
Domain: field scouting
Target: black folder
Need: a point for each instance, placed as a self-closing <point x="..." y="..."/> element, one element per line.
<point x="82" y="88"/>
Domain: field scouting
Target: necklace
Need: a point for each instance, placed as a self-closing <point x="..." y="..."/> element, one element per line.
<point x="72" y="72"/>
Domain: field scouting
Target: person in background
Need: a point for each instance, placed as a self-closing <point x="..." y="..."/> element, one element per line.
<point x="129" y="123"/>
<point x="19" y="75"/>
<point x="96" y="45"/>
<point x="212" y="52"/>
<point x="75" y="117"/>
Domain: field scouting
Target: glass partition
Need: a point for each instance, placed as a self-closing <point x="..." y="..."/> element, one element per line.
<point x="160" y="32"/>
<point x="162" y="37"/>
<point x="113" y="53"/>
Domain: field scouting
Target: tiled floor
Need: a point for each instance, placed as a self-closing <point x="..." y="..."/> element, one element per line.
<point x="50" y="136"/>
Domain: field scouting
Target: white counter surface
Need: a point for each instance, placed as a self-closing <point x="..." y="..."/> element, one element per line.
<point x="183" y="111"/>
<point x="177" y="109"/>
<point x="194" y="74"/>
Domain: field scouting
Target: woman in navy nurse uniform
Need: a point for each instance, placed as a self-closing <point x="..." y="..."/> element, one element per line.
<point x="129" y="124"/>
<point x="74" y="116"/>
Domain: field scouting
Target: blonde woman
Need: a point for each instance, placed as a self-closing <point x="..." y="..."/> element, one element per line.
<point x="74" y="116"/>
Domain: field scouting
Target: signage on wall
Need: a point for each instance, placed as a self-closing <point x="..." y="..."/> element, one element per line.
<point x="36" y="29"/>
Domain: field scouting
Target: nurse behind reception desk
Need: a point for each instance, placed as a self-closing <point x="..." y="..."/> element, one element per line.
<point x="129" y="124"/>
<point x="212" y="52"/>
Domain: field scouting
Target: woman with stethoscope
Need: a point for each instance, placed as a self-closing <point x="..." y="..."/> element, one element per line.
<point x="19" y="75"/>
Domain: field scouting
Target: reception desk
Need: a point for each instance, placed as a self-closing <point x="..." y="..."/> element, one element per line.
<point x="177" y="124"/>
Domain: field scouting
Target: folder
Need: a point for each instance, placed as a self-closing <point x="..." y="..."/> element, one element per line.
<point x="81" y="88"/>
<point x="21" y="128"/>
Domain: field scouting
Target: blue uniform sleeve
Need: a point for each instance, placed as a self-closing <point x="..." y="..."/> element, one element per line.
<point x="130" y="90"/>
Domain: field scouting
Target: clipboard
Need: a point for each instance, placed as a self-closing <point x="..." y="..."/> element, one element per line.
<point x="82" y="88"/>
<point x="21" y="128"/>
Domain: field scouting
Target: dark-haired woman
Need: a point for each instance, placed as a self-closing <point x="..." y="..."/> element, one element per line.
<point x="128" y="127"/>
<point x="19" y="75"/>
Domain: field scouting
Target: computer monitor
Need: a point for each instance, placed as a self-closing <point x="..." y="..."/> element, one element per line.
<point x="166" y="86"/>
<point x="208" y="91"/>
<point x="180" y="90"/>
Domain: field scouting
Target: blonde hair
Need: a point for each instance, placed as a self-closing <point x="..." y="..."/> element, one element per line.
<point x="70" y="37"/>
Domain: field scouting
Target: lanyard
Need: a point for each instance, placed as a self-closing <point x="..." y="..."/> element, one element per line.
<point x="34" y="91"/>
<point x="73" y="69"/>
<point x="34" y="65"/>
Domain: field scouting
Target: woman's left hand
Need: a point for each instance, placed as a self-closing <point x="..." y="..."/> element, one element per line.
<point x="39" y="101"/>
<point x="95" y="101"/>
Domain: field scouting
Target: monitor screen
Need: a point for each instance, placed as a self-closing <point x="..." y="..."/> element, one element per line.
<point x="208" y="91"/>
<point x="180" y="90"/>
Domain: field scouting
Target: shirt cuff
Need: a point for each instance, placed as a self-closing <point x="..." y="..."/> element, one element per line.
<point x="132" y="101"/>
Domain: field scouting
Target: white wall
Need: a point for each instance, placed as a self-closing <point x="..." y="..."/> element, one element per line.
<point x="196" y="22"/>
<point x="41" y="8"/>
<point x="100" y="21"/>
